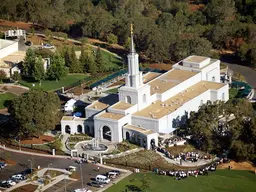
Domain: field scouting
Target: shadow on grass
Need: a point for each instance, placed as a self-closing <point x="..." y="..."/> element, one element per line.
<point x="133" y="188"/>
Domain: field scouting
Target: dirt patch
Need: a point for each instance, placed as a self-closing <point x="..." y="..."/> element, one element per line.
<point x="13" y="89"/>
<point x="26" y="188"/>
<point x="196" y="7"/>
<point x="160" y="66"/>
<point x="120" y="82"/>
<point x="40" y="140"/>
<point x="238" y="165"/>
<point x="18" y="24"/>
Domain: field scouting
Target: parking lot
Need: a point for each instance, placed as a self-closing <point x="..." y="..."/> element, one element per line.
<point x="89" y="171"/>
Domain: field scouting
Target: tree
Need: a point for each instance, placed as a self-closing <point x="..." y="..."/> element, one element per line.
<point x="34" y="113"/>
<point x="112" y="39"/>
<point x="57" y="69"/>
<point x="38" y="69"/>
<point x="99" y="60"/>
<point x="3" y="75"/>
<point x="183" y="48"/>
<point x="219" y="10"/>
<point x="74" y="64"/>
<point x="33" y="66"/>
<point x="16" y="76"/>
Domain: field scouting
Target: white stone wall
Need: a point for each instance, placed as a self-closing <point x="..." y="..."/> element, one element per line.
<point x="181" y="87"/>
<point x="114" y="125"/>
<point x="13" y="47"/>
<point x="89" y="112"/>
<point x="147" y="123"/>
<point x="211" y="71"/>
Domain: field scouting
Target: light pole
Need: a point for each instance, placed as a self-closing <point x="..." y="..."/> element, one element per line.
<point x="81" y="176"/>
<point x="30" y="165"/>
<point x="19" y="144"/>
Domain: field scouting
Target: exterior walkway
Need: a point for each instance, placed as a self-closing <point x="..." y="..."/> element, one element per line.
<point x="199" y="163"/>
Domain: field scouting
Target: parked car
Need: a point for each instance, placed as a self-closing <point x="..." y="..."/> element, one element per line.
<point x="102" y="179"/>
<point x="112" y="175"/>
<point x="8" y="183"/>
<point x="96" y="184"/>
<point x="82" y="190"/>
<point x="4" y="184"/>
<point x="28" y="43"/>
<point x="48" y="46"/>
<point x="18" y="177"/>
<point x="116" y="171"/>
<point x="2" y="165"/>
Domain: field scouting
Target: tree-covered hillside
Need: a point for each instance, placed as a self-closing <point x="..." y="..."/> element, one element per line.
<point x="164" y="29"/>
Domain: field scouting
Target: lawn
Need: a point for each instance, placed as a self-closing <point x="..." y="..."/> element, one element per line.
<point x="5" y="98"/>
<point x="219" y="181"/>
<point x="112" y="91"/>
<point x="233" y="92"/>
<point x="54" y="85"/>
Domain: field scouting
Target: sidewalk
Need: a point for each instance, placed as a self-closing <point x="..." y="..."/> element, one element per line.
<point x="199" y="163"/>
<point x="2" y="147"/>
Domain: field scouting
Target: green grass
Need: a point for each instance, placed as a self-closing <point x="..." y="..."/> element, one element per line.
<point x="47" y="85"/>
<point x="114" y="91"/>
<point x="5" y="98"/>
<point x="233" y="92"/>
<point x="219" y="181"/>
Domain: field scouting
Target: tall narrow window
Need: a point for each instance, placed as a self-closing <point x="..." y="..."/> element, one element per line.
<point x="144" y="98"/>
<point x="213" y="79"/>
<point x="223" y="96"/>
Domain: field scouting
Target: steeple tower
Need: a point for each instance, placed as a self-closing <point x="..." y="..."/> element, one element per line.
<point x="134" y="78"/>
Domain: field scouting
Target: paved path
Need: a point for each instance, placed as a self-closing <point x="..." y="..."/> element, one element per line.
<point x="199" y="163"/>
<point x="247" y="72"/>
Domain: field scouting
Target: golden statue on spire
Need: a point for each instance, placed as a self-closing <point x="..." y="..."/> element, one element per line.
<point x="132" y="29"/>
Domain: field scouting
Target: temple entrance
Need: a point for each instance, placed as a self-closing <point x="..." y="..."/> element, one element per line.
<point x="127" y="136"/>
<point x="67" y="129"/>
<point x="153" y="144"/>
<point x="106" y="132"/>
<point x="79" y="128"/>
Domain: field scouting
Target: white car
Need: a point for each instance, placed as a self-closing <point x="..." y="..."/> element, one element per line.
<point x="48" y="46"/>
<point x="82" y="190"/>
<point x="18" y="177"/>
<point x="11" y="182"/>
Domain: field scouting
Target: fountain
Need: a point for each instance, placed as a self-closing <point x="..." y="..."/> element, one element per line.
<point x="95" y="146"/>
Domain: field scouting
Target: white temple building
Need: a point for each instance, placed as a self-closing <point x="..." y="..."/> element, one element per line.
<point x="159" y="106"/>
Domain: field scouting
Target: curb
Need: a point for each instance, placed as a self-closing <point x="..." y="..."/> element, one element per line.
<point x="36" y="154"/>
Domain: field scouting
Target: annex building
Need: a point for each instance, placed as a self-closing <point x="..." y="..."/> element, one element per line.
<point x="159" y="106"/>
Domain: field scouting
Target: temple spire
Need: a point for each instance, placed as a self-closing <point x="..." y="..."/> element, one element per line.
<point x="132" y="49"/>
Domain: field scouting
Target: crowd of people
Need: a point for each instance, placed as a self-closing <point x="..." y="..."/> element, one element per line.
<point x="181" y="174"/>
<point x="188" y="156"/>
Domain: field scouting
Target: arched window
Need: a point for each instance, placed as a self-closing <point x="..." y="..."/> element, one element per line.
<point x="67" y="129"/>
<point x="144" y="98"/>
<point x="202" y="102"/>
<point x="106" y="133"/>
<point x="213" y="78"/>
<point x="127" y="136"/>
<point x="128" y="99"/>
<point x="79" y="128"/>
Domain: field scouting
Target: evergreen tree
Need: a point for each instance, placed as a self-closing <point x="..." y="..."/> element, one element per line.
<point x="57" y="68"/>
<point x="75" y="66"/>
<point x="99" y="60"/>
<point x="92" y="67"/>
<point x="38" y="69"/>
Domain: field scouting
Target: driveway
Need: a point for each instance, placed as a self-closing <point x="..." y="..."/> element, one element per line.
<point x="22" y="163"/>
<point x="247" y="72"/>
